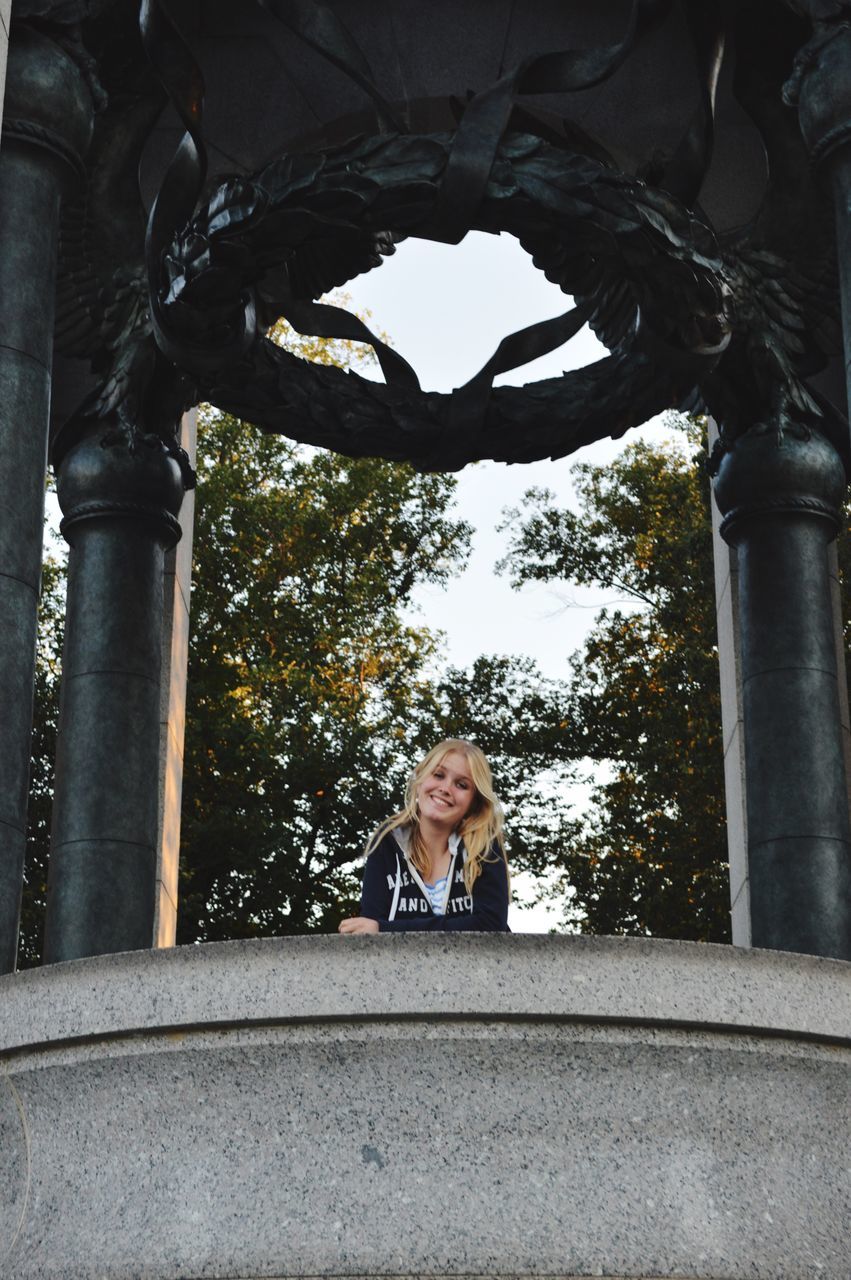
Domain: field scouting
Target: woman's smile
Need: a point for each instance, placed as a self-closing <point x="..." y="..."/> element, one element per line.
<point x="448" y="792"/>
<point x="439" y="863"/>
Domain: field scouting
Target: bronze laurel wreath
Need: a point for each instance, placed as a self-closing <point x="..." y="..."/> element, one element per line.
<point x="646" y="271"/>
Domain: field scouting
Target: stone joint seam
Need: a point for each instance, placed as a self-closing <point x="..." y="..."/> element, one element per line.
<point x="149" y="846"/>
<point x="22" y="582"/>
<point x="37" y="135"/>
<point x="830" y="672"/>
<point x="801" y="835"/>
<point x="781" y="505"/>
<point x="730" y="1032"/>
<point x="100" y="509"/>
<point x="123" y="672"/>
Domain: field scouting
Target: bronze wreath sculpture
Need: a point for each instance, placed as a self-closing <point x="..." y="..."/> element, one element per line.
<point x="651" y="278"/>
<point x="733" y="322"/>
<point x="647" y="273"/>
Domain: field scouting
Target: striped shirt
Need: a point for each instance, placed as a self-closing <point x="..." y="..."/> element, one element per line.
<point x="436" y="893"/>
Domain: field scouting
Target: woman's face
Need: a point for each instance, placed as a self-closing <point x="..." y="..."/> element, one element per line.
<point x="445" y="795"/>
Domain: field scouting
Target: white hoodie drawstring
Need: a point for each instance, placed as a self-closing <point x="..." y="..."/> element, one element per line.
<point x="395" y="903"/>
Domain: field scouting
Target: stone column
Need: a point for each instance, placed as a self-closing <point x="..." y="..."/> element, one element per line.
<point x="732" y="723"/>
<point x="177" y="585"/>
<point x="46" y="129"/>
<point x="120" y="498"/>
<point x="822" y="87"/>
<point x="5" y="15"/>
<point x="781" y="505"/>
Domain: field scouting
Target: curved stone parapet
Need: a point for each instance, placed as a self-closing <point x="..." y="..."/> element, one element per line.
<point x="422" y="1106"/>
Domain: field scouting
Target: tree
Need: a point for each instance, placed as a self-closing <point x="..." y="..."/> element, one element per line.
<point x="519" y="718"/>
<point x="310" y="692"/>
<point x="45" y="720"/>
<point x="644" y="707"/>
<point x="304" y="678"/>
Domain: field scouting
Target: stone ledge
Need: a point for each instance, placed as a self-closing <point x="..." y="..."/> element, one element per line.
<point x="519" y="976"/>
<point x="469" y="1106"/>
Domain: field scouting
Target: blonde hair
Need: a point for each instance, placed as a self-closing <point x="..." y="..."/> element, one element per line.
<point x="480" y="828"/>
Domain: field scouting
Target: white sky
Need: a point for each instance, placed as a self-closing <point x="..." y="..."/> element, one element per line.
<point x="446" y="308"/>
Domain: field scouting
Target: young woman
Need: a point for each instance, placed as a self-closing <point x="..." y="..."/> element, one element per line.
<point x="439" y="863"/>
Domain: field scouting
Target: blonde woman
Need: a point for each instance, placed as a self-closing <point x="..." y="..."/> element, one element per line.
<point x="439" y="864"/>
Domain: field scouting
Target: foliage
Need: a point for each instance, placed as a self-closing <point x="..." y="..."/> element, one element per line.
<point x="645" y="705"/>
<point x="301" y="670"/>
<point x="517" y="717"/>
<point x="310" y="693"/>
<point x="45" y="719"/>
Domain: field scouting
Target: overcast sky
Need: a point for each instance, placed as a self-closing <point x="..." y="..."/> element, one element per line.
<point x="446" y="308"/>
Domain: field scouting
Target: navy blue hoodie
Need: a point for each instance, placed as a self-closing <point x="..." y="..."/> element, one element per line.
<point x="393" y="892"/>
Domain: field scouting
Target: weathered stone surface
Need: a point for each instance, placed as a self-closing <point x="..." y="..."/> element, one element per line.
<point x="14" y="1166"/>
<point x="432" y="1106"/>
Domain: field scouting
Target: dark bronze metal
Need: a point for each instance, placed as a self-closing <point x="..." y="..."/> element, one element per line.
<point x="821" y="87"/>
<point x="734" y="322"/>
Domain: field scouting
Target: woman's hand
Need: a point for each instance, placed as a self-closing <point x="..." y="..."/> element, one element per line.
<point x="359" y="924"/>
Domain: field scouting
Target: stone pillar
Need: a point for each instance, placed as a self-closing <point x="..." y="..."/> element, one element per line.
<point x="119" y="500"/>
<point x="781" y="505"/>
<point x="46" y="129"/>
<point x="836" y="594"/>
<point x="822" y="87"/>
<point x="5" y="15"/>
<point x="177" y="584"/>
<point x="732" y="724"/>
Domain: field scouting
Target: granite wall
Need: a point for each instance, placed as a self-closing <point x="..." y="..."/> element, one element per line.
<point x="421" y="1106"/>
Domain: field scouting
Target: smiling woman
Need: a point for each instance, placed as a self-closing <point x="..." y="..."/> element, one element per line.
<point x="439" y="863"/>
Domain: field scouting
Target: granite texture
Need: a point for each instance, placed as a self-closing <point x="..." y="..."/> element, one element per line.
<point x="525" y="976"/>
<point x="14" y="1165"/>
<point x="401" y="1106"/>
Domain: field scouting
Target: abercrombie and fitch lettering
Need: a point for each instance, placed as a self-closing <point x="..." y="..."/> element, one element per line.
<point x="416" y="904"/>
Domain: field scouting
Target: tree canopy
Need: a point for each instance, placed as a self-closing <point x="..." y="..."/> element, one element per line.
<point x="644" y="704"/>
<point x="313" y="687"/>
<point x="45" y="720"/>
<point x="312" y="693"/>
<point x="304" y="679"/>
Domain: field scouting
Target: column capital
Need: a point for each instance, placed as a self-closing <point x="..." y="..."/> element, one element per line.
<point x="113" y="474"/>
<point x="48" y="104"/>
<point x="796" y="475"/>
